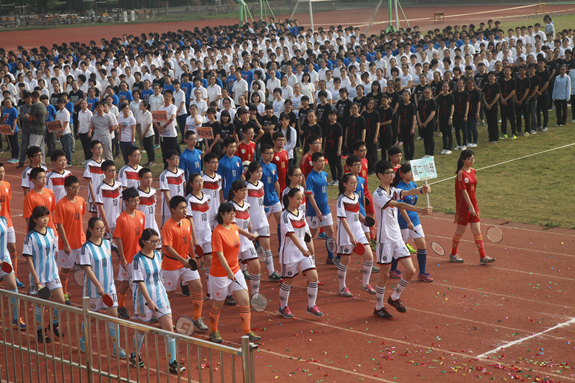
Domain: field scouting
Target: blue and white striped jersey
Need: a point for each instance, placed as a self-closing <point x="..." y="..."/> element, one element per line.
<point x="4" y="254"/>
<point x="99" y="258"/>
<point x="42" y="248"/>
<point x="149" y="271"/>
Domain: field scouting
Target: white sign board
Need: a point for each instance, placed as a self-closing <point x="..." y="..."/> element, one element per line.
<point x="423" y="169"/>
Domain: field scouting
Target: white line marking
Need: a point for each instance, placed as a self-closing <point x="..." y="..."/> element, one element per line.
<point x="526" y="338"/>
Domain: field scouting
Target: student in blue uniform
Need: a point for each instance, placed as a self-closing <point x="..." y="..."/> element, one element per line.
<point x="271" y="187"/>
<point x="191" y="158"/>
<point x="230" y="166"/>
<point x="40" y="247"/>
<point x="96" y="259"/>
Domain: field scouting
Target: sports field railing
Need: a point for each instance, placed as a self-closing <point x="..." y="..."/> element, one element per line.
<point x="23" y="358"/>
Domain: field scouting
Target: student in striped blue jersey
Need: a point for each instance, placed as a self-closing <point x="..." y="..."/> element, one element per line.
<point x="40" y="249"/>
<point x="150" y="298"/>
<point x="9" y="279"/>
<point x="96" y="259"/>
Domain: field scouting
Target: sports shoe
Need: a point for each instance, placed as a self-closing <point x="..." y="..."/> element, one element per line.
<point x="557" y="124"/>
<point x="18" y="324"/>
<point x="374" y="269"/>
<point x="274" y="277"/>
<point x="440" y="134"/>
<point x="457" y="147"/>
<point x="156" y="147"/>
<point x="83" y="345"/>
<point x="397" y="304"/>
<point x="572" y="121"/>
<point x="55" y="328"/>
<point x="513" y="137"/>
<point x="533" y="131"/>
<point x="425" y="278"/>
<point x="320" y="284"/>
<point x="247" y="275"/>
<point x="463" y="147"/>
<point x="176" y="368"/>
<point x="19" y="284"/>
<point x="123" y="313"/>
<point x="322" y="236"/>
<point x="447" y="151"/>
<point x="121" y="354"/>
<point x="12" y="161"/>
<point x="486" y="260"/>
<point x="315" y="311"/>
<point x="411" y="249"/>
<point x="42" y="337"/>
<point x="443" y="151"/>
<point x="67" y="299"/>
<point x="285" y="312"/>
<point x="419" y="138"/>
<point x="456" y="258"/>
<point x="185" y="289"/>
<point x="525" y="134"/>
<point x="136" y="361"/>
<point x="230" y="301"/>
<point x="215" y="337"/>
<point x="382" y="313"/>
<point x="503" y="136"/>
<point x="200" y="325"/>
<point x="345" y="292"/>
<point x="544" y="129"/>
<point x="368" y="289"/>
<point x="395" y="274"/>
<point x="331" y="183"/>
<point x="253" y="337"/>
<point x="400" y="143"/>
<point x="336" y="183"/>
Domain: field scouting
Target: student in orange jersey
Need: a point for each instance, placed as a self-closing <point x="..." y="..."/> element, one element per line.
<point x="39" y="196"/>
<point x="5" y="197"/>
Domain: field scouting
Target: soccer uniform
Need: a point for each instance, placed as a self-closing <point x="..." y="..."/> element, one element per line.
<point x="129" y="229"/>
<point x="191" y="162"/>
<point x="148" y="270"/>
<point x="45" y="199"/>
<point x="147" y="206"/>
<point x="242" y="220"/>
<point x="5" y="197"/>
<point x="316" y="185"/>
<point x="227" y="242"/>
<point x="178" y="236"/>
<point x="99" y="258"/>
<point x="231" y="170"/>
<point x="246" y="151"/>
<point x="363" y="174"/>
<point x="55" y="182"/>
<point x="348" y="208"/>
<point x="110" y="197"/>
<point x="306" y="164"/>
<point x="281" y="161"/>
<point x="212" y="187"/>
<point x="69" y="215"/>
<point x="302" y="207"/>
<point x="42" y="248"/>
<point x="128" y="176"/>
<point x="406" y="233"/>
<point x="271" y="200"/>
<point x="198" y="210"/>
<point x="26" y="180"/>
<point x="258" y="217"/>
<point x="468" y="182"/>
<point x="291" y="258"/>
<point x="389" y="241"/>
<point x="175" y="183"/>
<point x="93" y="172"/>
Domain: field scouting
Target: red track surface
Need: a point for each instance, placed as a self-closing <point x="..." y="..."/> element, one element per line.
<point x="467" y="311"/>
<point x="421" y="16"/>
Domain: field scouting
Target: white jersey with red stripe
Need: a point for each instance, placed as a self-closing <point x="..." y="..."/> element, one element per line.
<point x="128" y="176"/>
<point x="212" y="187"/>
<point x="148" y="207"/>
<point x="111" y="197"/>
<point x="243" y="221"/>
<point x="198" y="209"/>
<point x="26" y="180"/>
<point x="257" y="209"/>
<point x="93" y="171"/>
<point x="175" y="183"/>
<point x="303" y="205"/>
<point x="55" y="182"/>
<point x="386" y="216"/>
<point x="348" y="208"/>
<point x="291" y="223"/>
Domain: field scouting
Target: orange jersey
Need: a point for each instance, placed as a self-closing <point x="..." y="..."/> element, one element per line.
<point x="45" y="199"/>
<point x="5" y="197"/>
<point x="281" y="160"/>
<point x="69" y="215"/>
<point x="468" y="182"/>
<point x="228" y="242"/>
<point x="129" y="230"/>
<point x="178" y="236"/>
<point x="246" y="151"/>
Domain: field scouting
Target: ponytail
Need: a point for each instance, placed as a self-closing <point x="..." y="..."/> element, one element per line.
<point x="253" y="167"/>
<point x="343" y="181"/>
<point x="462" y="157"/>
<point x="236" y="186"/>
<point x="290" y="194"/>
<point x="405" y="168"/>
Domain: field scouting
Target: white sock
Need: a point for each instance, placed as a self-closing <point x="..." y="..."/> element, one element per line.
<point x="367" y="265"/>
<point x="269" y="262"/>
<point x="399" y="288"/>
<point x="311" y="293"/>
<point x="341" y="274"/>
<point x="255" y="282"/>
<point x="379" y="293"/>
<point x="284" y="295"/>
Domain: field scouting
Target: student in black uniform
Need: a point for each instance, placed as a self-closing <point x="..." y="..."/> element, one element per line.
<point x="426" y="120"/>
<point x="507" y="101"/>
<point x="385" y="128"/>
<point x="491" y="94"/>
<point x="332" y="144"/>
<point x="355" y="127"/>
<point x="372" y="133"/>
<point x="445" y="117"/>
<point x="522" y="85"/>
<point x="460" y="115"/>
<point x="473" y="113"/>
<point x="542" y="102"/>
<point x="406" y="122"/>
<point x="532" y="98"/>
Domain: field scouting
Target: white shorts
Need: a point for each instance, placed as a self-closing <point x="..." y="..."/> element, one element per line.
<point x="206" y="248"/>
<point x="67" y="261"/>
<point x="248" y="255"/>
<point x="411" y="234"/>
<point x="146" y="316"/>
<point x="314" y="222"/>
<point x="123" y="274"/>
<point x="172" y="278"/>
<point x="221" y="287"/>
<point x="385" y="252"/>
<point x="262" y="231"/>
<point x="290" y="270"/>
<point x="97" y="304"/>
<point x="11" y="235"/>
<point x="275" y="208"/>
<point x="3" y="274"/>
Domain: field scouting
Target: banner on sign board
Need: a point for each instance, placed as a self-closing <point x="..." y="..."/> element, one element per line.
<point x="423" y="169"/>
<point x="6" y="130"/>
<point x="205" y="132"/>
<point x="159" y="116"/>
<point x="54" y="126"/>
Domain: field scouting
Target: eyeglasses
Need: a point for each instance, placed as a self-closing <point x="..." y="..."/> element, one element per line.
<point x="76" y="188"/>
<point x="153" y="242"/>
<point x="389" y="173"/>
<point x="230" y="213"/>
<point x="134" y="200"/>
<point x="100" y="229"/>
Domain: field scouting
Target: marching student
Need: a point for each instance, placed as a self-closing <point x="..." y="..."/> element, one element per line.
<point x="56" y="177"/>
<point x="68" y="217"/>
<point x="191" y="157"/>
<point x="148" y="199"/>
<point x="390" y="244"/>
<point x="108" y="198"/>
<point x="34" y="153"/>
<point x="93" y="174"/>
<point x="280" y="156"/>
<point x="172" y="183"/>
<point x="230" y="167"/>
<point x="212" y="187"/>
<point x="96" y="259"/>
<point x="5" y="197"/>
<point x="39" y="196"/>
<point x="128" y="174"/>
<point x="271" y="187"/>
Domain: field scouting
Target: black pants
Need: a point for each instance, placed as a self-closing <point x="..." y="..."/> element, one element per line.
<point x="508" y="113"/>
<point x="50" y="143"/>
<point x="334" y="163"/>
<point x="461" y="126"/>
<point x="371" y="154"/>
<point x="385" y="142"/>
<point x="408" y="143"/>
<point x="523" y="109"/>
<point x="542" y="107"/>
<point x="149" y="148"/>
<point x="491" y="117"/>
<point x="116" y="146"/>
<point x="428" y="139"/>
<point x="561" y="111"/>
<point x="446" y="129"/>
<point x="85" y="140"/>
<point x="394" y="129"/>
<point x="167" y="144"/>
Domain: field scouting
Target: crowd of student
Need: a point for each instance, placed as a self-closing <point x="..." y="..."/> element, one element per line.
<point x="260" y="92"/>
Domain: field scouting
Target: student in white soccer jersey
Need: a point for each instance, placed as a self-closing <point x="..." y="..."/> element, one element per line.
<point x="148" y="199"/>
<point x="9" y="279"/>
<point x="248" y="254"/>
<point x="294" y="256"/>
<point x="212" y="187"/>
<point x="390" y="243"/>
<point x="109" y="197"/>
<point x="172" y="183"/>
<point x="96" y="259"/>
<point x="56" y="177"/>
<point x="150" y="298"/>
<point x="128" y="174"/>
<point x="34" y="153"/>
<point x="40" y="251"/>
<point x="258" y="215"/>
<point x="93" y="174"/>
